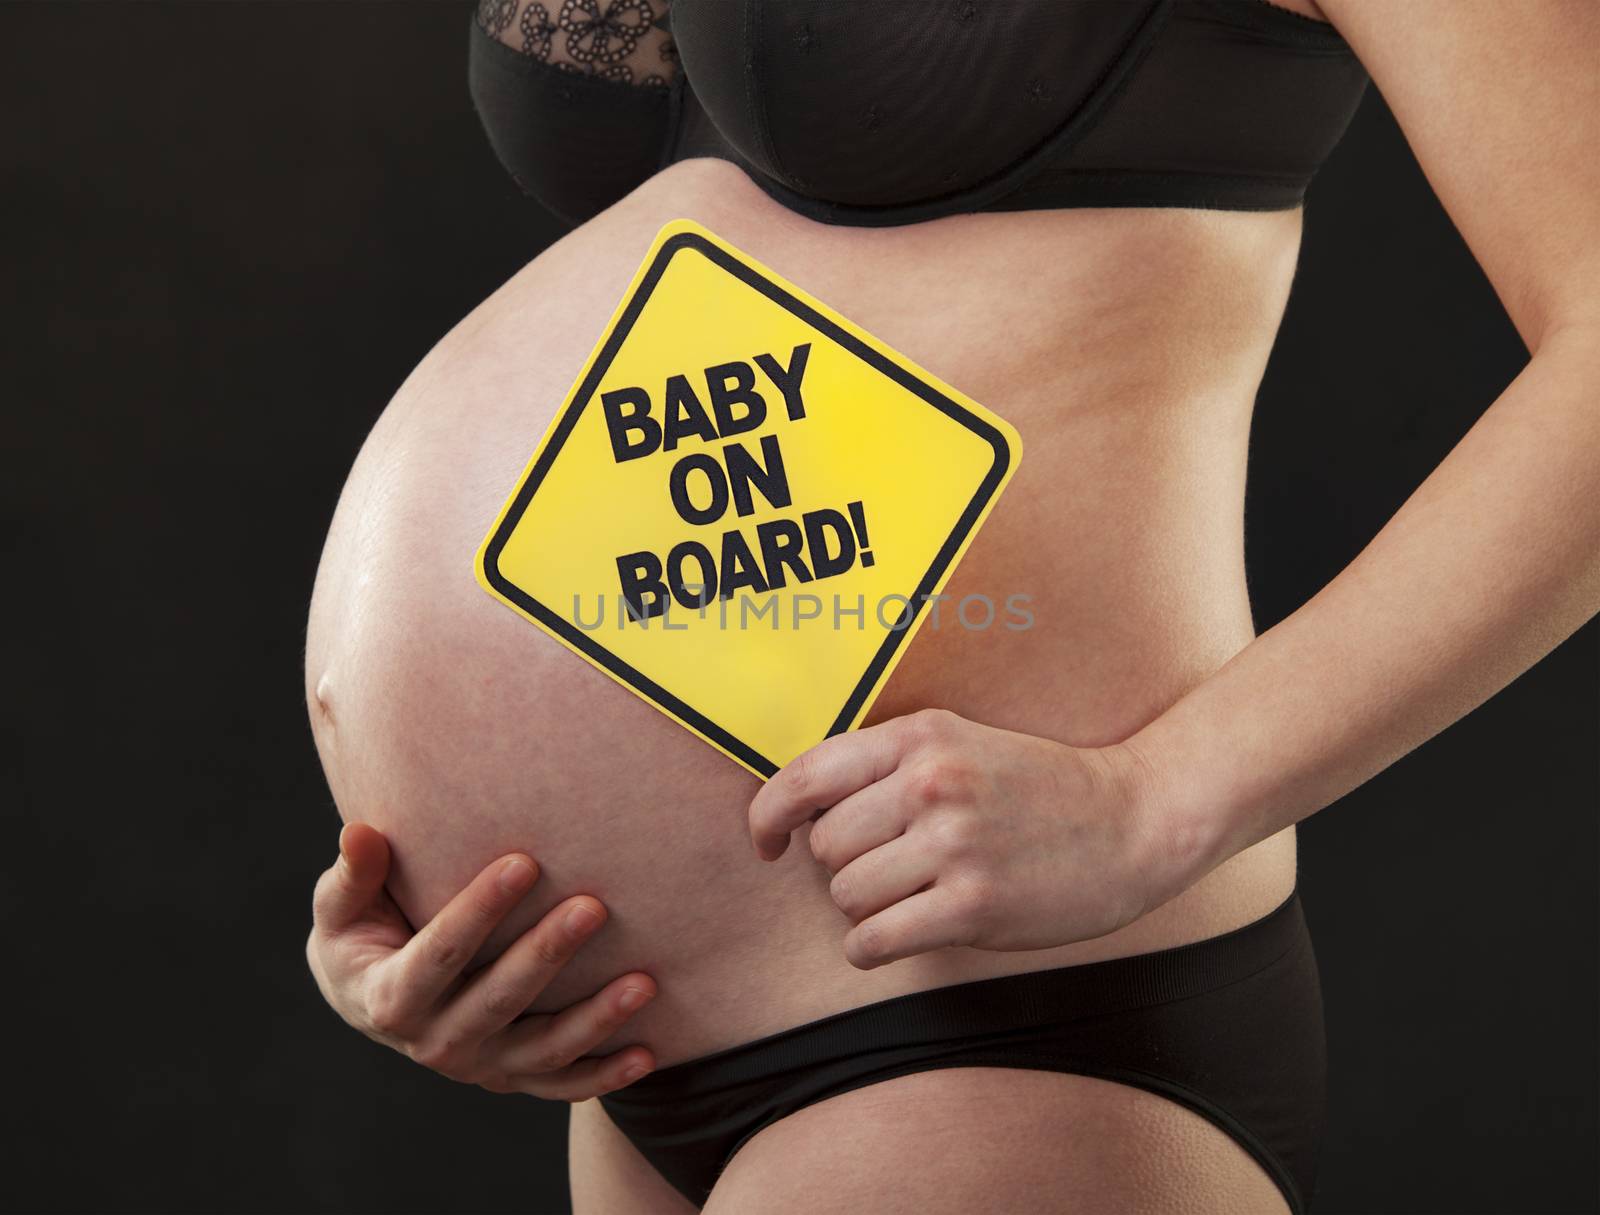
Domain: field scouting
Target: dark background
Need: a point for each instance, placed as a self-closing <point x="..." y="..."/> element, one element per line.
<point x="228" y="232"/>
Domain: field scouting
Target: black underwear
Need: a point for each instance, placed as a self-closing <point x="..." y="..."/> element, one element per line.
<point x="1230" y="1028"/>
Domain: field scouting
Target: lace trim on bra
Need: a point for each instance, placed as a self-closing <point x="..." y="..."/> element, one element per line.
<point x="625" y="41"/>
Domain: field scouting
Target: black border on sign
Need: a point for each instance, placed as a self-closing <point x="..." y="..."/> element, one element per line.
<point x="843" y="337"/>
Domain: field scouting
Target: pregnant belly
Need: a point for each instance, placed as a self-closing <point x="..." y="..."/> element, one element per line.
<point x="1125" y="346"/>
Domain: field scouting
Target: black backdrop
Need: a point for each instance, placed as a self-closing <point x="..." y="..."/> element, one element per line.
<point x="229" y="231"/>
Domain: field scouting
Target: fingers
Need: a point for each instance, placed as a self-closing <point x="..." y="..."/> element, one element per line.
<point x="861" y="822"/>
<point x="821" y="778"/>
<point x="353" y="884"/>
<point x="394" y="995"/>
<point x="934" y="919"/>
<point x="588" y="1077"/>
<point x="882" y="877"/>
<point x="549" y="1045"/>
<point x="433" y="959"/>
<point x="502" y="992"/>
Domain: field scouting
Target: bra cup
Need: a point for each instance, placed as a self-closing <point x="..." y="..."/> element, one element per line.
<point x="889" y="102"/>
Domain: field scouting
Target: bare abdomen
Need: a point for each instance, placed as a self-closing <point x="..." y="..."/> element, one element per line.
<point x="1125" y="346"/>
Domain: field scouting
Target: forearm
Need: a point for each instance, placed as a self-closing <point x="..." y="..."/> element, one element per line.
<point x="1492" y="562"/>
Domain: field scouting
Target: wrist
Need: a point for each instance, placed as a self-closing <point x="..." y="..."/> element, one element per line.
<point x="1181" y="836"/>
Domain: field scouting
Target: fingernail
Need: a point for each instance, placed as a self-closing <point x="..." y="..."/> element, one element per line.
<point x="633" y="998"/>
<point x="634" y="1072"/>
<point x="581" y="921"/>
<point x="516" y="875"/>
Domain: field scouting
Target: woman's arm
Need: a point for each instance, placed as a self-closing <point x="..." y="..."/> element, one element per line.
<point x="1495" y="558"/>
<point x="943" y="832"/>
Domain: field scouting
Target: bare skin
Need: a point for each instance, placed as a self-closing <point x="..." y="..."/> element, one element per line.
<point x="1133" y="344"/>
<point x="464" y="734"/>
<point x="412" y="991"/>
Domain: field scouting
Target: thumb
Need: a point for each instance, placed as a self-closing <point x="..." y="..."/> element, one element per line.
<point x="353" y="884"/>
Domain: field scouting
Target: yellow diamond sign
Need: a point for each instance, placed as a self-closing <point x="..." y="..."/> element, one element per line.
<point x="745" y="503"/>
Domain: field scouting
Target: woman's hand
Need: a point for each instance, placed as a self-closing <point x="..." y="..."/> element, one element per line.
<point x="942" y="832"/>
<point x="407" y="992"/>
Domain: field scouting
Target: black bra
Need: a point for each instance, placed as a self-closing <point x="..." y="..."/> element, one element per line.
<point x="874" y="112"/>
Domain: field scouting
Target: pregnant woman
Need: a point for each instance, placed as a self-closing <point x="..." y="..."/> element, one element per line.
<point x="1033" y="943"/>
